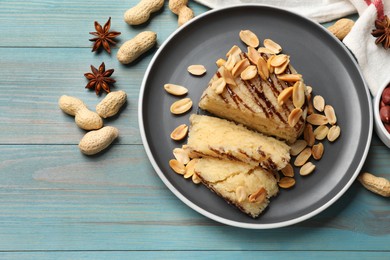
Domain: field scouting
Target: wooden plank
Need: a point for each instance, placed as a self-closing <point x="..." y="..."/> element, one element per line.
<point x="217" y="255"/>
<point x="68" y="23"/>
<point x="53" y="198"/>
<point x="31" y="87"/>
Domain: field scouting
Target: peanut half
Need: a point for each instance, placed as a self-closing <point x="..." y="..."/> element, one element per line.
<point x="298" y="94"/>
<point x="273" y="46"/>
<point x="317" y="151"/>
<point x="319" y="103"/>
<point x="297" y="147"/>
<point x="177" y="167"/>
<point x="317" y="119"/>
<point x="181" y="106"/>
<point x="196" y="70"/>
<point x="175" y="90"/>
<point x="333" y="133"/>
<point x="249" y="38"/>
<point x="286" y="182"/>
<point x="241" y="194"/>
<point x="258" y="196"/>
<point x="321" y="132"/>
<point x="288" y="171"/>
<point x="179" y="132"/>
<point x="181" y="155"/>
<point x="249" y="72"/>
<point x="306" y="169"/>
<point x="285" y="95"/>
<point x="294" y="116"/>
<point x="303" y="157"/>
<point x="330" y="114"/>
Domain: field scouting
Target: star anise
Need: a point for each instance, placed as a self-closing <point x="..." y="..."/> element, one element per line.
<point x="100" y="79"/>
<point x="382" y="32"/>
<point x="103" y="36"/>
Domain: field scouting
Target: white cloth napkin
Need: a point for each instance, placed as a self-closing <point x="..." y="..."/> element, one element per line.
<point x="319" y="10"/>
<point x="373" y="59"/>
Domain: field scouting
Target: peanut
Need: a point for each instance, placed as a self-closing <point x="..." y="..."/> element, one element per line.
<point x="378" y="185"/>
<point x="98" y="140"/>
<point x="84" y="118"/>
<point x="140" y="13"/>
<point x="111" y="104"/>
<point x="341" y="28"/>
<point x="132" y="49"/>
<point x="180" y="8"/>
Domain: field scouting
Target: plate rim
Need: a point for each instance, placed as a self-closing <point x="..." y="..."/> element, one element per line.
<point x="204" y="212"/>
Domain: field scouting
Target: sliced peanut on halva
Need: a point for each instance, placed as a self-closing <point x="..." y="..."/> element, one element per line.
<point x="307" y="168"/>
<point x="220" y="62"/>
<point x="231" y="61"/>
<point x="286" y="182"/>
<point x="271" y="45"/>
<point x="290" y="77"/>
<point x="240" y="66"/>
<point x="294" y="116"/>
<point x="282" y="68"/>
<point x="309" y="89"/>
<point x="262" y="68"/>
<point x="298" y="147"/>
<point x="181" y="155"/>
<point x="319" y="103"/>
<point x="330" y="114"/>
<point x="334" y="133"/>
<point x="285" y="95"/>
<point x="308" y="135"/>
<point x="269" y="66"/>
<point x="321" y="132"/>
<point x="181" y="106"/>
<point x="317" y="151"/>
<point x="310" y="108"/>
<point x="176" y="90"/>
<point x="258" y="196"/>
<point x="196" y="179"/>
<point x="253" y="55"/>
<point x="317" y="119"/>
<point x="241" y="194"/>
<point x="196" y="70"/>
<point x="265" y="50"/>
<point x="303" y="157"/>
<point x="249" y="38"/>
<point x="177" y="167"/>
<point x="278" y="60"/>
<point x="227" y="76"/>
<point x="179" y="132"/>
<point x="298" y="94"/>
<point x="249" y="72"/>
<point x="190" y="169"/>
<point x="219" y="85"/>
<point x="233" y="51"/>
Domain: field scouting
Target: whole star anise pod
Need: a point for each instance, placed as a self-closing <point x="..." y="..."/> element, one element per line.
<point x="382" y="32"/>
<point x="103" y="36"/>
<point x="100" y="79"/>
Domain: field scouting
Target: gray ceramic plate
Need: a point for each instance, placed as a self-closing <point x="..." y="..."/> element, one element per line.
<point x="325" y="64"/>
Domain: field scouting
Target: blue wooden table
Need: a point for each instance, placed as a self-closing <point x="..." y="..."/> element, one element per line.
<point x="56" y="203"/>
